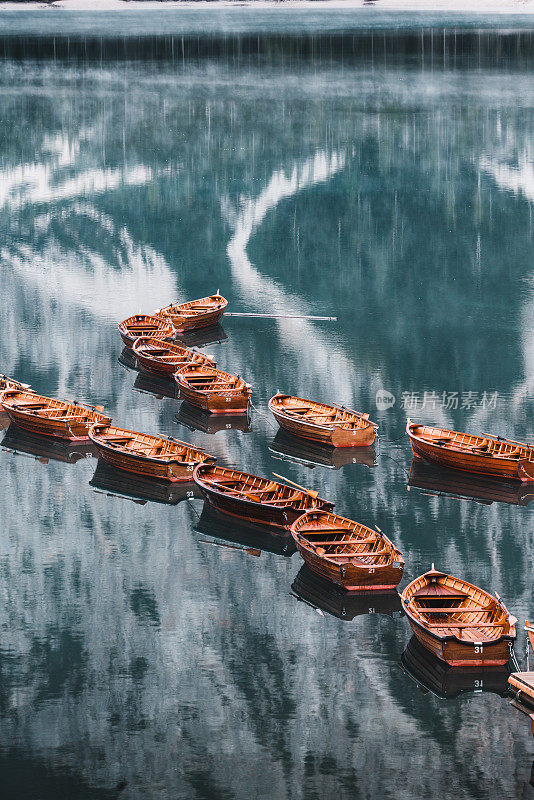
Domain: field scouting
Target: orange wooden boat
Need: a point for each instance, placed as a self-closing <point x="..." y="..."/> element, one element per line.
<point x="458" y="622"/>
<point x="213" y="390"/>
<point x="331" y="425"/>
<point x="145" y="454"/>
<point x="10" y="383"/>
<point x="138" y="325"/>
<point x="347" y="553"/>
<point x="50" y="417"/>
<point x="195" y="314"/>
<point x="484" y="455"/>
<point x="253" y="498"/>
<point x="165" y="358"/>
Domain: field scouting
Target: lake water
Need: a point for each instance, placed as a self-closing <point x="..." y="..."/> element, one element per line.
<point x="384" y="178"/>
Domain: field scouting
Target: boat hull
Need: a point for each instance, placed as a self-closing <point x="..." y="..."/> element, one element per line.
<point x="70" y="431"/>
<point x="186" y="324"/>
<point x="351" y="577"/>
<point x="152" y="468"/>
<point x="220" y="403"/>
<point x="333" y="436"/>
<point x="250" y="511"/>
<point x="493" y="466"/>
<point x="464" y="654"/>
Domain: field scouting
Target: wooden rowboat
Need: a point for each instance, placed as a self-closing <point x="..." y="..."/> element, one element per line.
<point x="195" y="314"/>
<point x="49" y="417"/>
<point x="331" y="425"/>
<point x="138" y="325"/>
<point x="165" y="358"/>
<point x="145" y="454"/>
<point x="213" y="390"/>
<point x="484" y="455"/>
<point x="255" y="499"/>
<point x="10" y="383"/>
<point x="458" y="622"/>
<point x="347" y="553"/>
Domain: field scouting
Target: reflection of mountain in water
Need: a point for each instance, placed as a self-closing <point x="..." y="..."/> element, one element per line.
<point x="127" y="645"/>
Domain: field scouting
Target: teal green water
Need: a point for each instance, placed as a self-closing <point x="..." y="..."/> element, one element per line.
<point x="384" y="178"/>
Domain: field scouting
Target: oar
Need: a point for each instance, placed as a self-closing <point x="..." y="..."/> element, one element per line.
<point x="311" y="492"/>
<point x="251" y="551"/>
<point x="302" y="600"/>
<point x="506" y="441"/>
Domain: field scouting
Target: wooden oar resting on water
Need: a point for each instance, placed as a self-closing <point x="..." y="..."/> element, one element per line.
<point x="138" y="325"/>
<point x="165" y="358"/>
<point x="195" y="314"/>
<point x="347" y="553"/>
<point x="458" y="622"/>
<point x="213" y="390"/>
<point x="50" y="417"/>
<point x="484" y="454"/>
<point x="254" y="498"/>
<point x="330" y="425"/>
<point x="145" y="454"/>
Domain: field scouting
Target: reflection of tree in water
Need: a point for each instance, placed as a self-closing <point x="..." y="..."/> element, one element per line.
<point x="129" y="646"/>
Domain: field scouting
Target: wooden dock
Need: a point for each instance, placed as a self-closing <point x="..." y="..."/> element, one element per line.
<point x="522" y="684"/>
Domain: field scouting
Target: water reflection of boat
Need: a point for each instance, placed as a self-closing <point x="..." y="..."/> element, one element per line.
<point x="46" y="448"/>
<point x="199" y="338"/>
<point x="160" y="387"/>
<point x="324" y="595"/>
<point x="196" y="419"/>
<point x="433" y="675"/>
<point x="127" y="359"/>
<point x="312" y="455"/>
<point x="220" y="526"/>
<point x="139" y="488"/>
<point x="463" y="486"/>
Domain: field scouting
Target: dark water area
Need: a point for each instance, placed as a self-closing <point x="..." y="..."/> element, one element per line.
<point x="151" y="648"/>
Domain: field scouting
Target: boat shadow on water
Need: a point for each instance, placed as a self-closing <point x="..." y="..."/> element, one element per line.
<point x="45" y="448"/>
<point x="457" y="485"/>
<point x="140" y="489"/>
<point x="311" y="454"/>
<point x="198" y="420"/>
<point x="431" y="674"/>
<point x="215" y="334"/>
<point x="127" y="359"/>
<point x="152" y="384"/>
<point x="249" y="535"/>
<point x="320" y="593"/>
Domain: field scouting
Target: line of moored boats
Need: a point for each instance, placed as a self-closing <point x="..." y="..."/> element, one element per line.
<point x="461" y="624"/>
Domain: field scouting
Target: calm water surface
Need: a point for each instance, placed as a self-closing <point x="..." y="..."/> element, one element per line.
<point x="386" y="179"/>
